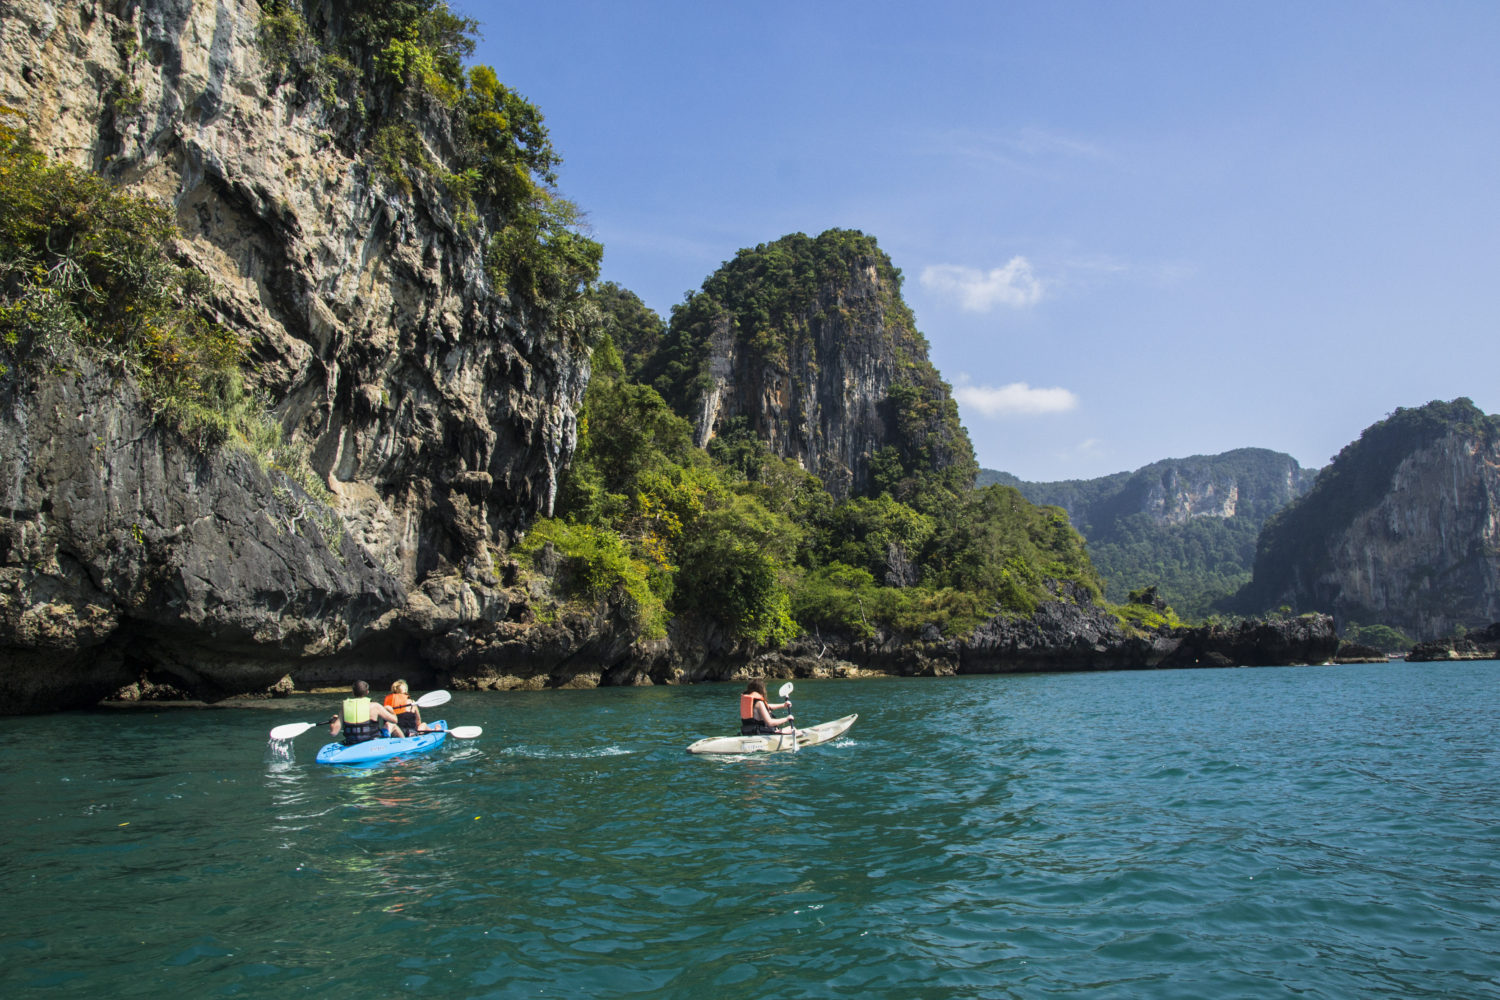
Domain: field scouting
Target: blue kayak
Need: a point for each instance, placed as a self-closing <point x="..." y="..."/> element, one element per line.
<point x="371" y="751"/>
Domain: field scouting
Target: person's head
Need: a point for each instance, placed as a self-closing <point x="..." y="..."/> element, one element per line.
<point x="361" y="689"/>
<point x="756" y="686"/>
<point x="398" y="687"/>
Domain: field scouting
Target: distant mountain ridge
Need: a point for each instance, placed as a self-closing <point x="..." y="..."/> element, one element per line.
<point x="1187" y="526"/>
<point x="1401" y="529"/>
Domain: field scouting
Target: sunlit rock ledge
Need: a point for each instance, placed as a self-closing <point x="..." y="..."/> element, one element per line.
<point x="1481" y="645"/>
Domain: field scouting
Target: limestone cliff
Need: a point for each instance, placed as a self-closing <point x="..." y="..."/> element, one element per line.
<point x="1402" y="529"/>
<point x="438" y="408"/>
<point x="1187" y="526"/>
<point x="1248" y="482"/>
<point x="807" y="343"/>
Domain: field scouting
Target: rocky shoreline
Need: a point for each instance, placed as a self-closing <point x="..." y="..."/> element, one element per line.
<point x="1061" y="637"/>
<point x="1483" y="644"/>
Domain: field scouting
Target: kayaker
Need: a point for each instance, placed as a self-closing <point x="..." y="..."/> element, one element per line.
<point x="408" y="714"/>
<point x="755" y="712"/>
<point x="362" y="717"/>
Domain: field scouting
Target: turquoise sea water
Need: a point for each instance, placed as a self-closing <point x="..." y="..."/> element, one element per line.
<point x="1317" y="832"/>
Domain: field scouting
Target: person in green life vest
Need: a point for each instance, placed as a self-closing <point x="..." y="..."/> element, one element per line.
<point x="361" y="718"/>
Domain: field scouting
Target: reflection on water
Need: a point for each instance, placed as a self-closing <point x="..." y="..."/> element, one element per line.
<point x="1325" y="832"/>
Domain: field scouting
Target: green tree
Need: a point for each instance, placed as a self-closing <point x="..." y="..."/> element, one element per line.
<point x="635" y="328"/>
<point x="84" y="267"/>
<point x="1381" y="637"/>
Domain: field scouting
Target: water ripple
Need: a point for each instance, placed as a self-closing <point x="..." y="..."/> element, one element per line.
<point x="1319" y="832"/>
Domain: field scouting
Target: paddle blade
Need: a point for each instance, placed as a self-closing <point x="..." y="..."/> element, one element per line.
<point x="466" y="732"/>
<point x="432" y="699"/>
<point x="786" y="690"/>
<point x="292" y="730"/>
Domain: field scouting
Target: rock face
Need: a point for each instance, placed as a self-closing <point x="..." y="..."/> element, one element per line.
<point x="1249" y="482"/>
<point x="439" y="411"/>
<point x="807" y="343"/>
<point x="1403" y="529"/>
<point x="1266" y="643"/>
<point x="123" y="554"/>
<point x="1195" y="520"/>
<point x="1356" y="652"/>
<point x="375" y="328"/>
<point x="1483" y="644"/>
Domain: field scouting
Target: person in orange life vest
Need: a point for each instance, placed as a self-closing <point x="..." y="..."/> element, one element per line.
<point x="361" y="718"/>
<point x="407" y="711"/>
<point x="755" y="712"/>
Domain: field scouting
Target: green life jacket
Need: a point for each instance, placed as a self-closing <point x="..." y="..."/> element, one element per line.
<point x="358" y="726"/>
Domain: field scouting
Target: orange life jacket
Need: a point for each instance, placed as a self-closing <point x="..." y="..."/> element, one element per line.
<point x="405" y="711"/>
<point x="747" y="705"/>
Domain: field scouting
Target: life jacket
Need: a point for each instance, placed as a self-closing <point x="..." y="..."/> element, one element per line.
<point x="747" y="706"/>
<point x="405" y="710"/>
<point x="358" y="725"/>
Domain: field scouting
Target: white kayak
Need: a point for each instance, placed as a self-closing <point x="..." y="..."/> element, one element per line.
<point x="821" y="733"/>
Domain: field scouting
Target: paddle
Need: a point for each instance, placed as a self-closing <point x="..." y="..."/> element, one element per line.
<point x="786" y="695"/>
<point x="432" y="699"/>
<point x="294" y="729"/>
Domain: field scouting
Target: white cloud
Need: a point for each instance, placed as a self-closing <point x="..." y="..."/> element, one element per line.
<point x="1031" y="151"/>
<point x="1015" y="399"/>
<point x="980" y="291"/>
<point x="1085" y="449"/>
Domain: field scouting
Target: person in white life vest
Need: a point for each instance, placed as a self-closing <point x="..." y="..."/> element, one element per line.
<point x="361" y="718"/>
<point x="755" y="712"/>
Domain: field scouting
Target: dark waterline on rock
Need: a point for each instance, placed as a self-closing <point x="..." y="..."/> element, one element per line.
<point x="1323" y="831"/>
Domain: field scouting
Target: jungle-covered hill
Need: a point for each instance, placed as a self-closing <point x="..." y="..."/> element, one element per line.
<point x="833" y="489"/>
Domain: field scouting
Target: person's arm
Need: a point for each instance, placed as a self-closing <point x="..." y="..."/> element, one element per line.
<point x="335" y="725"/>
<point x="763" y="713"/>
<point x="386" y="715"/>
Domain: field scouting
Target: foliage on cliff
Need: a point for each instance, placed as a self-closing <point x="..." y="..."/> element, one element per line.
<point x="397" y="67"/>
<point x="84" y="267"/>
<point x="651" y="521"/>
<point x="635" y="329"/>
<point x="1294" y="543"/>
<point x="1135" y="540"/>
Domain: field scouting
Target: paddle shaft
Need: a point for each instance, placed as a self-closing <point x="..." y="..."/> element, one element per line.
<point x="786" y="694"/>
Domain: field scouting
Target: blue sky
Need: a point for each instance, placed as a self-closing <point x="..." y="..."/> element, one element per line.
<point x="1130" y="231"/>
